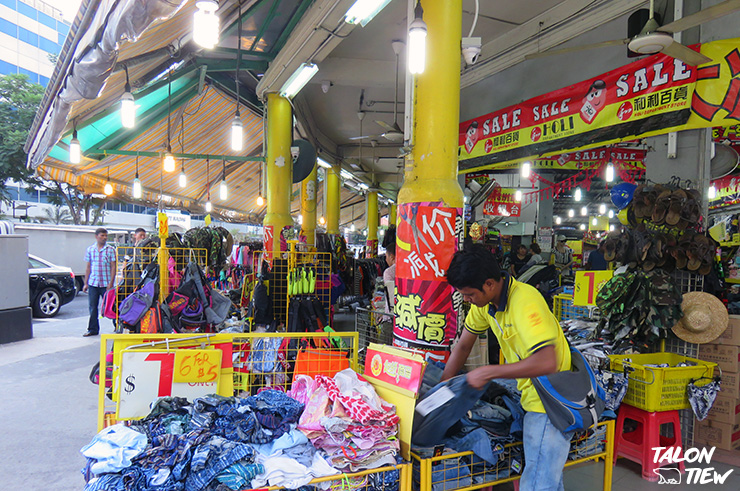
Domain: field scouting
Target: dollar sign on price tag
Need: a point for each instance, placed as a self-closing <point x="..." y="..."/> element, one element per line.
<point x="130" y="386"/>
<point x="587" y="286"/>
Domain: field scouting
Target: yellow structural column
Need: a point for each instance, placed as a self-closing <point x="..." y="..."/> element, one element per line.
<point x="308" y="207"/>
<point x="333" y="185"/>
<point x="279" y="170"/>
<point x="392" y="215"/>
<point x="372" y="223"/>
<point x="430" y="201"/>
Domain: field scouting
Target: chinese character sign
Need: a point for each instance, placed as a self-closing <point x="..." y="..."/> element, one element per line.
<point x="427" y="237"/>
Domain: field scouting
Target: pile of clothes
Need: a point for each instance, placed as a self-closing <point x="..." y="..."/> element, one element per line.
<point x="221" y="443"/>
<point x="347" y="421"/>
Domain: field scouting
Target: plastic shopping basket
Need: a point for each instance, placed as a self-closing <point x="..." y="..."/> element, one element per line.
<point x="660" y="389"/>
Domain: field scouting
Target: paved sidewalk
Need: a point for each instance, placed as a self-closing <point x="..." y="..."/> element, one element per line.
<point x="47" y="405"/>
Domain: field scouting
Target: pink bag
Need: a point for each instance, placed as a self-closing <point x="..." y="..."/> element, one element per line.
<point x="109" y="303"/>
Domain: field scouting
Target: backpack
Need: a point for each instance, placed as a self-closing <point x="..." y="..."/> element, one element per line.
<point x="573" y="399"/>
<point x="133" y="307"/>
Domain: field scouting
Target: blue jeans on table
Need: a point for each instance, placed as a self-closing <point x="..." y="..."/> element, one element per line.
<point x="545" y="453"/>
<point x="94" y="294"/>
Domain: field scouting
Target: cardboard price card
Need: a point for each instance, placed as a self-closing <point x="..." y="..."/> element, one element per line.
<point x="588" y="284"/>
<point x="193" y="366"/>
<point x="164" y="230"/>
<point x="147" y="375"/>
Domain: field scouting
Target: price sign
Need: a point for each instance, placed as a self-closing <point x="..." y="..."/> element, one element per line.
<point x="164" y="230"/>
<point x="588" y="284"/>
<point x="197" y="365"/>
<point x="395" y="367"/>
<point x="208" y="220"/>
<point x="147" y="375"/>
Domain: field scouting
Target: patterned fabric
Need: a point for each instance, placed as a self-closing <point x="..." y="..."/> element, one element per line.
<point x="702" y="398"/>
<point x="100" y="262"/>
<point x="358" y="409"/>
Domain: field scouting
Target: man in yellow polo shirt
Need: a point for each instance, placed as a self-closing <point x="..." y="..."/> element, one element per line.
<point x="533" y="345"/>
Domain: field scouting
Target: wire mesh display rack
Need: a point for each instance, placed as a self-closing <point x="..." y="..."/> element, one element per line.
<point x="686" y="282"/>
<point x="465" y="471"/>
<point x="372" y="326"/>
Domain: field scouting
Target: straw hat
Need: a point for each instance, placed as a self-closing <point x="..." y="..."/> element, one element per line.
<point x="704" y="319"/>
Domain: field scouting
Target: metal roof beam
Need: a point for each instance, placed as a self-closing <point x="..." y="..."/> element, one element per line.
<point x="246" y="96"/>
<point x="245" y="15"/>
<point x="280" y="42"/>
<point x="192" y="156"/>
<point x="266" y="23"/>
<point x="230" y="65"/>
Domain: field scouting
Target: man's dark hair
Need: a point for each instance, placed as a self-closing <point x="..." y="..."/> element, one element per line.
<point x="101" y="230"/>
<point x="389" y="240"/>
<point x="472" y="266"/>
<point x="535" y="248"/>
<point x="521" y="246"/>
<point x="139" y="230"/>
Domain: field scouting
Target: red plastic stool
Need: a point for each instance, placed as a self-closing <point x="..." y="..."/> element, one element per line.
<point x="638" y="445"/>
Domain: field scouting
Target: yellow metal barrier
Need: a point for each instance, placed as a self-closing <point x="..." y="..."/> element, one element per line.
<point x="318" y="353"/>
<point x="455" y="468"/>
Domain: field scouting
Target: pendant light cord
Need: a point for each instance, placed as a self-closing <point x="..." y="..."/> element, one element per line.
<point x="238" y="56"/>
<point x="169" y="98"/>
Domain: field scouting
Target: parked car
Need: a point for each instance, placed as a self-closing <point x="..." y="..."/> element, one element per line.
<point x="50" y="286"/>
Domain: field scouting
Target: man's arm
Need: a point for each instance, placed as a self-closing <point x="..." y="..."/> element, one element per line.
<point x="459" y="354"/>
<point x="542" y="362"/>
<point x="87" y="277"/>
<point x="113" y="266"/>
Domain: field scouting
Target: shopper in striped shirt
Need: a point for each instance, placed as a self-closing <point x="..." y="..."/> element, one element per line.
<point x="99" y="276"/>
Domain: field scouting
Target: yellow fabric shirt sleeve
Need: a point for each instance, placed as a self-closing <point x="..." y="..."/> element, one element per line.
<point x="537" y="326"/>
<point x="477" y="320"/>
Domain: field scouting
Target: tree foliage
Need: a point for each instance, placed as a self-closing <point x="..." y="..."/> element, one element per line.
<point x="19" y="101"/>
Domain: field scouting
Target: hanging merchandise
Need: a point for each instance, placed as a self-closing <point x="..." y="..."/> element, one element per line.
<point x="704" y="320"/>
<point x="639" y="308"/>
<point x="621" y="194"/>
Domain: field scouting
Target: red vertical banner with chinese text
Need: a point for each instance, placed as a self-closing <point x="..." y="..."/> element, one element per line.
<point x="427" y="313"/>
<point x="268" y="242"/>
<point x="372" y="248"/>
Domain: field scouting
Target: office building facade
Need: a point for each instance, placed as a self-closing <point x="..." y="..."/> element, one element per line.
<point x="32" y="33"/>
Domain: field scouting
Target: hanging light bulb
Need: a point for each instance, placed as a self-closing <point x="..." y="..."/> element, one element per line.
<point x="584" y="211"/>
<point x="322" y="220"/>
<point x="526" y="169"/>
<point x="209" y="206"/>
<point x="206" y="24"/>
<point x="237" y="133"/>
<point x="558" y="220"/>
<point x="128" y="107"/>
<point x="75" y="152"/>
<point x="518" y="195"/>
<point x="583" y="226"/>
<point x="168" y="162"/>
<point x="712" y="192"/>
<point x="602" y="209"/>
<point x="571" y="213"/>
<point x="183" y="180"/>
<point x="611" y="213"/>
<point x="417" y="42"/>
<point x="136" y="189"/>
<point x="223" y="189"/>
<point x="260" y="200"/>
<point x="108" y="189"/>
<point x="609" y="172"/>
<point x="595" y="221"/>
<point x="611" y="228"/>
<point x="577" y="195"/>
<point x="352" y="227"/>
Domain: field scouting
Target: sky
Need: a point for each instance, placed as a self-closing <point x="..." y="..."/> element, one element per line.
<point x="68" y="7"/>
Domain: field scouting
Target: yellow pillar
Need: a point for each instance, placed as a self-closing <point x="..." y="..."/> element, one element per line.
<point x="371" y="214"/>
<point x="392" y="215"/>
<point x="333" y="184"/>
<point x="430" y="201"/>
<point x="308" y="207"/>
<point x="279" y="170"/>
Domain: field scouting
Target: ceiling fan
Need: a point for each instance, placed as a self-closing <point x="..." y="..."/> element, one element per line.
<point x="393" y="132"/>
<point x="654" y="38"/>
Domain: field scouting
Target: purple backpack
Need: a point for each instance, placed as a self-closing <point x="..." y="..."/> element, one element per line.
<point x="133" y="307"/>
